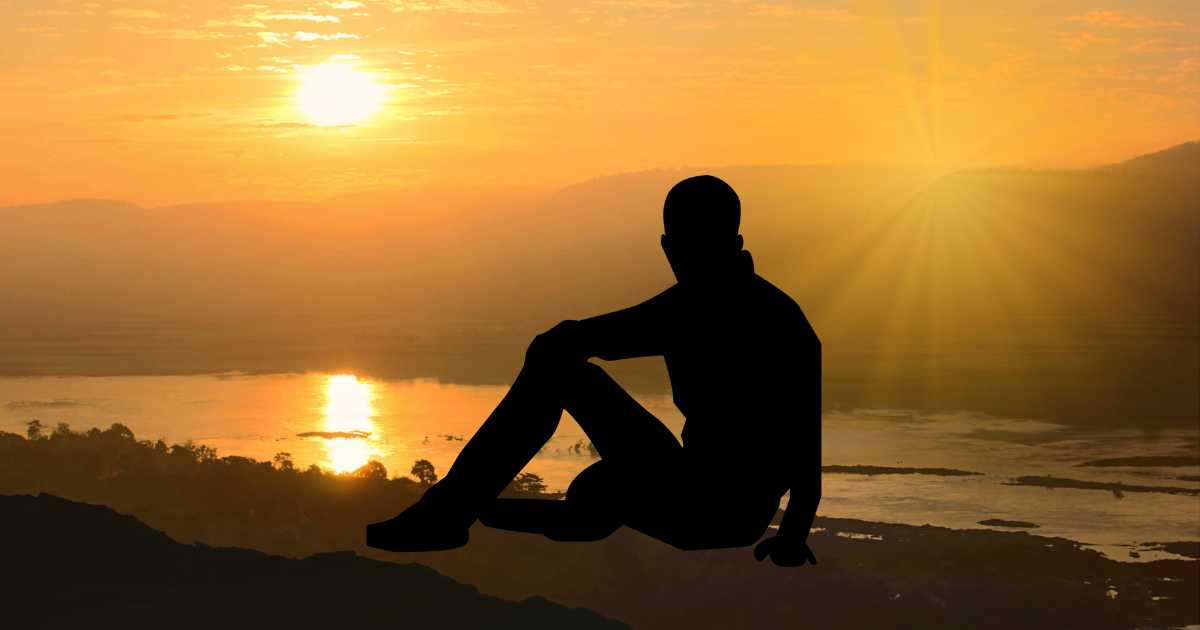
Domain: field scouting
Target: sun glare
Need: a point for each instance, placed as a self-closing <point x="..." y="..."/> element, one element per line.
<point x="349" y="409"/>
<point x="335" y="94"/>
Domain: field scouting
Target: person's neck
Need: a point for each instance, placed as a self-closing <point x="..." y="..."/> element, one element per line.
<point x="734" y="268"/>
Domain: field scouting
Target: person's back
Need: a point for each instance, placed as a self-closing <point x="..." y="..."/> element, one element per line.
<point x="736" y="359"/>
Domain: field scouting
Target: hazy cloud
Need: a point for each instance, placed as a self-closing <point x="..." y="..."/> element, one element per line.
<point x="141" y="117"/>
<point x="294" y="15"/>
<point x="308" y="37"/>
<point x="784" y="10"/>
<point x="240" y="22"/>
<point x="148" y="14"/>
<point x="1120" y="18"/>
<point x="1163" y="44"/>
<point x="172" y="33"/>
<point x="458" y="6"/>
<point x="1076" y="41"/>
<point x="35" y="405"/>
<point x="645" y="4"/>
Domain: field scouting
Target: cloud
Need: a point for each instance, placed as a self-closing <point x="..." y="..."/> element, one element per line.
<point x="141" y="117"/>
<point x="644" y="4"/>
<point x="344" y="5"/>
<point x="145" y="14"/>
<point x="241" y="22"/>
<point x="286" y="125"/>
<point x="35" y="405"/>
<point x="482" y="25"/>
<point x="1120" y="18"/>
<point x="88" y="60"/>
<point x="172" y="33"/>
<point x="486" y="7"/>
<point x="308" y="37"/>
<point x="42" y="31"/>
<point x="477" y="6"/>
<point x="1162" y="44"/>
<point x="344" y="57"/>
<point x="236" y="68"/>
<point x="783" y="10"/>
<point x="294" y="15"/>
<point x="1076" y="41"/>
<point x="271" y="38"/>
<point x="408" y="5"/>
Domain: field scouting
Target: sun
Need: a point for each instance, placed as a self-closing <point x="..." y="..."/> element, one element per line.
<point x="334" y="94"/>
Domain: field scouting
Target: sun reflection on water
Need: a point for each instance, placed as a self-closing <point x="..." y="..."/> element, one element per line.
<point x="349" y="409"/>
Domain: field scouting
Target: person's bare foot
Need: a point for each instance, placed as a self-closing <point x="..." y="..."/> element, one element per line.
<point x="419" y="528"/>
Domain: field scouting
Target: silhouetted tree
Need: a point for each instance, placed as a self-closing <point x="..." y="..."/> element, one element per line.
<point x="372" y="470"/>
<point x="423" y="470"/>
<point x="35" y="430"/>
<point x="284" y="462"/>
<point x="206" y="454"/>
<point x="63" y="430"/>
<point x="528" y="482"/>
<point x="119" y="430"/>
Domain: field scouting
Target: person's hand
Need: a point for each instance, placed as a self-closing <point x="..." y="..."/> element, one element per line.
<point x="785" y="551"/>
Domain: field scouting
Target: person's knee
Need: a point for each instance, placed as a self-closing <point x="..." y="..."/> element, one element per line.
<point x="547" y="351"/>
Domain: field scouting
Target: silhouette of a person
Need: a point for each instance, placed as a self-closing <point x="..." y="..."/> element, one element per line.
<point x="745" y="370"/>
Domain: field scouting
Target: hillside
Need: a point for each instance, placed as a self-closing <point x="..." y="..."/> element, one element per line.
<point x="75" y="563"/>
<point x="1181" y="159"/>
<point x="1054" y="295"/>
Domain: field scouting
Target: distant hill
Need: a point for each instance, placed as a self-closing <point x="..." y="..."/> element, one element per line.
<point x="68" y="563"/>
<point x="1181" y="159"/>
<point x="1065" y="296"/>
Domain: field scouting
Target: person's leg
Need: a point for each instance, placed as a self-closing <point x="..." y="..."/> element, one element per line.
<point x="523" y="421"/>
<point x="637" y="449"/>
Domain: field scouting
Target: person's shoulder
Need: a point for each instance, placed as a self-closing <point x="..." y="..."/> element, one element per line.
<point x="771" y="295"/>
<point x="780" y="305"/>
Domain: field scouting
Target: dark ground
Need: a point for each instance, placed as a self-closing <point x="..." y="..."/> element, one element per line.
<point x="75" y="564"/>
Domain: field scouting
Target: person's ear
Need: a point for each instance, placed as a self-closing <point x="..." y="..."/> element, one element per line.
<point x="739" y="240"/>
<point x="662" y="240"/>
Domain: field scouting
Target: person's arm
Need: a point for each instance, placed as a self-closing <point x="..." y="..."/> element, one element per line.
<point x="789" y="547"/>
<point x="637" y="331"/>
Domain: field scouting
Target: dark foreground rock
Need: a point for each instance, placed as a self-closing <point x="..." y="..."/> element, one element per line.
<point x="75" y="564"/>
<point x="868" y="576"/>
<point x="1187" y="549"/>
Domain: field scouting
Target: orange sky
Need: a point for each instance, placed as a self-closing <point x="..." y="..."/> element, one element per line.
<point x="160" y="102"/>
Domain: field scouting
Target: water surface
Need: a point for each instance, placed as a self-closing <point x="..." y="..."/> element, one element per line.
<point x="261" y="415"/>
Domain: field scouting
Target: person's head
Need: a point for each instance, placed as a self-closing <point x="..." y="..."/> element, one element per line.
<point x="700" y="221"/>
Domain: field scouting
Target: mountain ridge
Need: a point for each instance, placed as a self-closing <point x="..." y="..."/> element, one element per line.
<point x="118" y="569"/>
<point x="1181" y="159"/>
